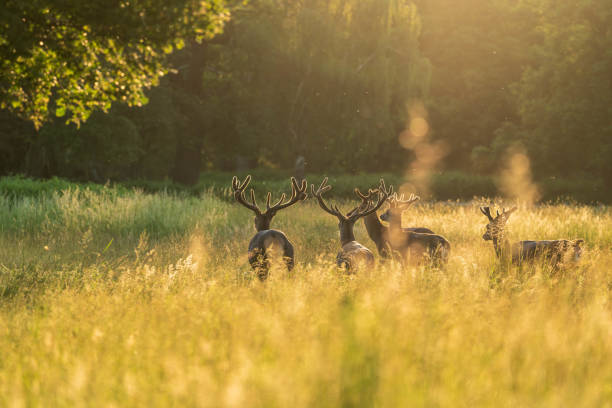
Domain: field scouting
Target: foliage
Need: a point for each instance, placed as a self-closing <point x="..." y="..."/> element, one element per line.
<point x="477" y="50"/>
<point x="451" y="186"/>
<point x="73" y="59"/>
<point x="328" y="80"/>
<point x="119" y="298"/>
<point x="331" y="81"/>
<point x="564" y="96"/>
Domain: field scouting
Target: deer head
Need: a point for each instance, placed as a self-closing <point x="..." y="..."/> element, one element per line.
<point x="495" y="227"/>
<point x="346" y="222"/>
<point x="397" y="205"/>
<point x="263" y="219"/>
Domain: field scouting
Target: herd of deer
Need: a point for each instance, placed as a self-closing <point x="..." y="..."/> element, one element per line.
<point x="392" y="241"/>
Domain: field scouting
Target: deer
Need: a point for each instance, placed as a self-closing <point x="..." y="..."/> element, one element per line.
<point x="353" y="255"/>
<point x="409" y="243"/>
<point x="397" y="205"/>
<point x="377" y="230"/>
<point x="266" y="238"/>
<point x="553" y="252"/>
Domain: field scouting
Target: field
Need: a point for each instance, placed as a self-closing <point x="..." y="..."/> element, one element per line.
<point x="116" y="297"/>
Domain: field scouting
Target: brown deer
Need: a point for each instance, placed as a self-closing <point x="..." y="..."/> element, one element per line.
<point x="411" y="246"/>
<point x="397" y="206"/>
<point x="552" y="252"/>
<point x="353" y="255"/>
<point x="265" y="239"/>
<point x="377" y="230"/>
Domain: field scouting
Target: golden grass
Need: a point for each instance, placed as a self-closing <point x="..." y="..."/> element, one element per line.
<point x="173" y="315"/>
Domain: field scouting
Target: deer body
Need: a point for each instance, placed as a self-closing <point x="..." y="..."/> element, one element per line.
<point x="268" y="241"/>
<point x="353" y="255"/>
<point x="420" y="230"/>
<point x="412" y="244"/>
<point x="416" y="246"/>
<point x="379" y="233"/>
<point x="553" y="252"/>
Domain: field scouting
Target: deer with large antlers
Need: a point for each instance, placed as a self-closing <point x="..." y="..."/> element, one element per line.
<point x="554" y="252"/>
<point x="377" y="231"/>
<point x="412" y="244"/>
<point x="397" y="206"/>
<point x="353" y="255"/>
<point x="265" y="239"/>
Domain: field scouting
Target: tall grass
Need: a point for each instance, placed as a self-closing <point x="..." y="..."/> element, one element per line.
<point x="117" y="297"/>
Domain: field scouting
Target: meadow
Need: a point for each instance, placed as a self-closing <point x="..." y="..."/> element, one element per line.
<point x="110" y="296"/>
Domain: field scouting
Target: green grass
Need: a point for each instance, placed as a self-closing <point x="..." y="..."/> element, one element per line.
<point x="115" y="297"/>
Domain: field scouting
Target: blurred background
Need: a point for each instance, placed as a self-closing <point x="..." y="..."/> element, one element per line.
<point x="151" y="90"/>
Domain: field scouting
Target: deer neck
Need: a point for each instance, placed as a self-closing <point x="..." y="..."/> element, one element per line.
<point x="501" y="245"/>
<point x="262" y="223"/>
<point x="375" y="228"/>
<point x="395" y="221"/>
<point x="346" y="233"/>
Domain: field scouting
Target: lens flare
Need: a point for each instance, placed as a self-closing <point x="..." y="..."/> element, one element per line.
<point x="515" y="180"/>
<point x="427" y="153"/>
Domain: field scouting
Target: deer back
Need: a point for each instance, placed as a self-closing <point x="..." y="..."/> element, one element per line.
<point x="553" y="252"/>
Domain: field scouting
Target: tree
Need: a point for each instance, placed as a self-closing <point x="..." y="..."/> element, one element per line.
<point x="327" y="80"/>
<point x="477" y="49"/>
<point x="65" y="57"/>
<point x="564" y="96"/>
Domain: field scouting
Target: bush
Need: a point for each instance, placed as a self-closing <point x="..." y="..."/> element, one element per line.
<point x="444" y="186"/>
<point x="458" y="185"/>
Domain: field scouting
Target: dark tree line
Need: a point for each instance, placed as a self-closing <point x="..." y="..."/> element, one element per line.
<point x="330" y="81"/>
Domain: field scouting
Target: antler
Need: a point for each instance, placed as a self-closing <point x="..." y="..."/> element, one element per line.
<point x="360" y="211"/>
<point x="505" y="214"/>
<point x="365" y="199"/>
<point x="239" y="193"/>
<point x="396" y="201"/>
<point x="298" y="193"/>
<point x="383" y="189"/>
<point x="365" y="208"/>
<point x="487" y="211"/>
<point x="318" y="194"/>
